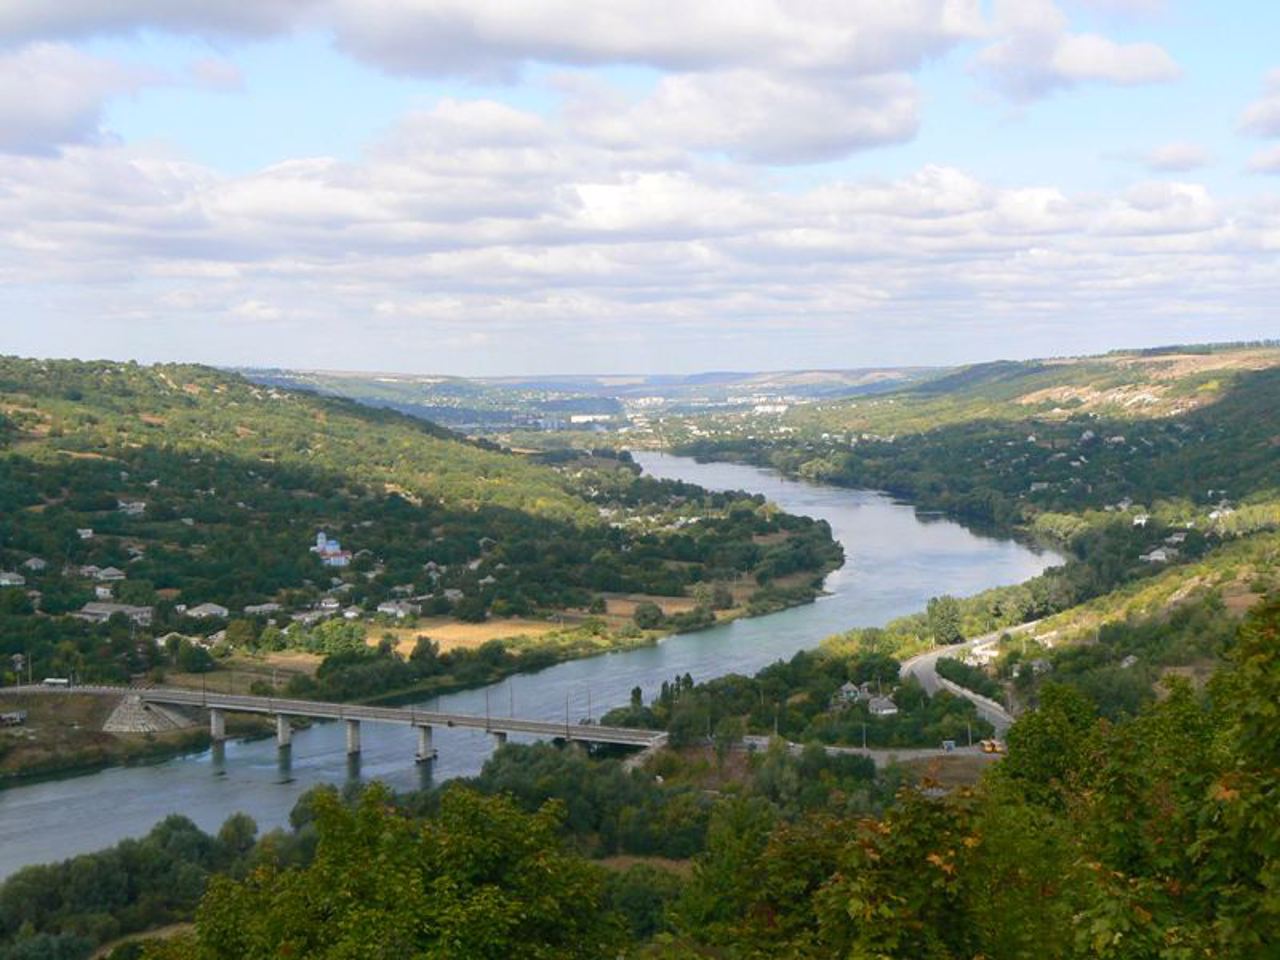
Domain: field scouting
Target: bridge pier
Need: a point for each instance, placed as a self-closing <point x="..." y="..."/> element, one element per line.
<point x="353" y="737"/>
<point x="425" y="750"/>
<point x="217" y="725"/>
<point x="284" y="732"/>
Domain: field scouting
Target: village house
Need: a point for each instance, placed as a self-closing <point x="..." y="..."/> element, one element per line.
<point x="9" y="579"/>
<point x="98" y="612"/>
<point x="208" y="610"/>
<point x="35" y="565"/>
<point x="103" y="592"/>
<point x="329" y="605"/>
<point x="132" y="508"/>
<point x="262" y="609"/>
<point x="109" y="575"/>
<point x="1159" y="555"/>
<point x="882" y="707"/>
<point x="84" y="533"/>
<point x="399" y="609"/>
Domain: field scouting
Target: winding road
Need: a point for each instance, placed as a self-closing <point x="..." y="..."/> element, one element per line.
<point x="924" y="667"/>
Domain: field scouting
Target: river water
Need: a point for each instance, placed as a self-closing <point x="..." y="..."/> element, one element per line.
<point x="895" y="561"/>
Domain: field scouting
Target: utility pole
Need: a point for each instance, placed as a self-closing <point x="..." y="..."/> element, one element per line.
<point x="588" y="704"/>
<point x="864" y="736"/>
<point x="969" y="727"/>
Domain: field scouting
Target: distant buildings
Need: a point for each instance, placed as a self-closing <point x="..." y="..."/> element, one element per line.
<point x="98" y="612"/>
<point x="8" y="579"/>
<point x="882" y="707"/>
<point x="132" y="508"/>
<point x="208" y="610"/>
<point x="400" y="609"/>
<point x="330" y="551"/>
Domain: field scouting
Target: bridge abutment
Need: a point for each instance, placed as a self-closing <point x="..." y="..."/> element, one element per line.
<point x="499" y="737"/>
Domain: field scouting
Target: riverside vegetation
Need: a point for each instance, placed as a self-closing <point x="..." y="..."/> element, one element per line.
<point x="1133" y="817"/>
<point x="190" y="495"/>
<point x="1151" y="835"/>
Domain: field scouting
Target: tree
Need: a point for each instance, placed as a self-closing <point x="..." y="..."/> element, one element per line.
<point x="242" y="634"/>
<point x="481" y="880"/>
<point x="648" y="615"/>
<point x="729" y="733"/>
<point x="945" y="620"/>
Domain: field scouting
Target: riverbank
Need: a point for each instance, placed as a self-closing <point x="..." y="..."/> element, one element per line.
<point x="920" y="501"/>
<point x="895" y="563"/>
<point x="63" y="737"/>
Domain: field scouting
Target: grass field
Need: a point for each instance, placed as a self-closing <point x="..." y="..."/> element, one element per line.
<point x="455" y="635"/>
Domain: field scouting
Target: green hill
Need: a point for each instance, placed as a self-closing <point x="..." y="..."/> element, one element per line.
<point x="1003" y="443"/>
<point x="198" y="487"/>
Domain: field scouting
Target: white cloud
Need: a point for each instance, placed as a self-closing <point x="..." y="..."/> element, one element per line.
<point x="1129" y="7"/>
<point x="21" y="22"/>
<point x="1265" y="161"/>
<point x="760" y="117"/>
<point x="52" y="95"/>
<point x="473" y="224"/>
<point x="1177" y="157"/>
<point x="1161" y="208"/>
<point x="1262" y="117"/>
<point x="1035" y="54"/>
<point x="489" y="37"/>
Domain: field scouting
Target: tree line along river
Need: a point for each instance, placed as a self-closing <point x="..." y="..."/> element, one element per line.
<point x="895" y="561"/>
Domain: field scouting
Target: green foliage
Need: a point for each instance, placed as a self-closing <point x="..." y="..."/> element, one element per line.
<point x="944" y="618"/>
<point x="480" y="879"/>
<point x="648" y="615"/>
<point x="238" y="478"/>
<point x="67" y="909"/>
<point x="971" y="678"/>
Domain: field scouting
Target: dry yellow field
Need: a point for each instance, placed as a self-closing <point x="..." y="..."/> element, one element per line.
<point x="455" y="635"/>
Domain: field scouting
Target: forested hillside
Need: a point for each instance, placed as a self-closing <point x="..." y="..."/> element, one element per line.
<point x="1001" y="443"/>
<point x="178" y="496"/>
<point x="1149" y="835"/>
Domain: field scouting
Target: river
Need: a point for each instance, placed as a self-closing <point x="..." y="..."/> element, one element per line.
<point x="894" y="562"/>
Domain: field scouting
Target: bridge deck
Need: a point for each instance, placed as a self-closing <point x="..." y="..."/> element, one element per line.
<point x="319" y="710"/>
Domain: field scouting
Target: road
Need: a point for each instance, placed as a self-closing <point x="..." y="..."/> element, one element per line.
<point x="882" y="756"/>
<point x="924" y="667"/>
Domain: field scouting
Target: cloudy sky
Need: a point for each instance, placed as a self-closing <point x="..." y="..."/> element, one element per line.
<point x="533" y="186"/>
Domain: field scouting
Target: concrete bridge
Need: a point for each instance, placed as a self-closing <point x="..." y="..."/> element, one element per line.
<point x="424" y="721"/>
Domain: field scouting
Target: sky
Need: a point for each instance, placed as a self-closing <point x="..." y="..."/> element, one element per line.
<point x="488" y="187"/>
